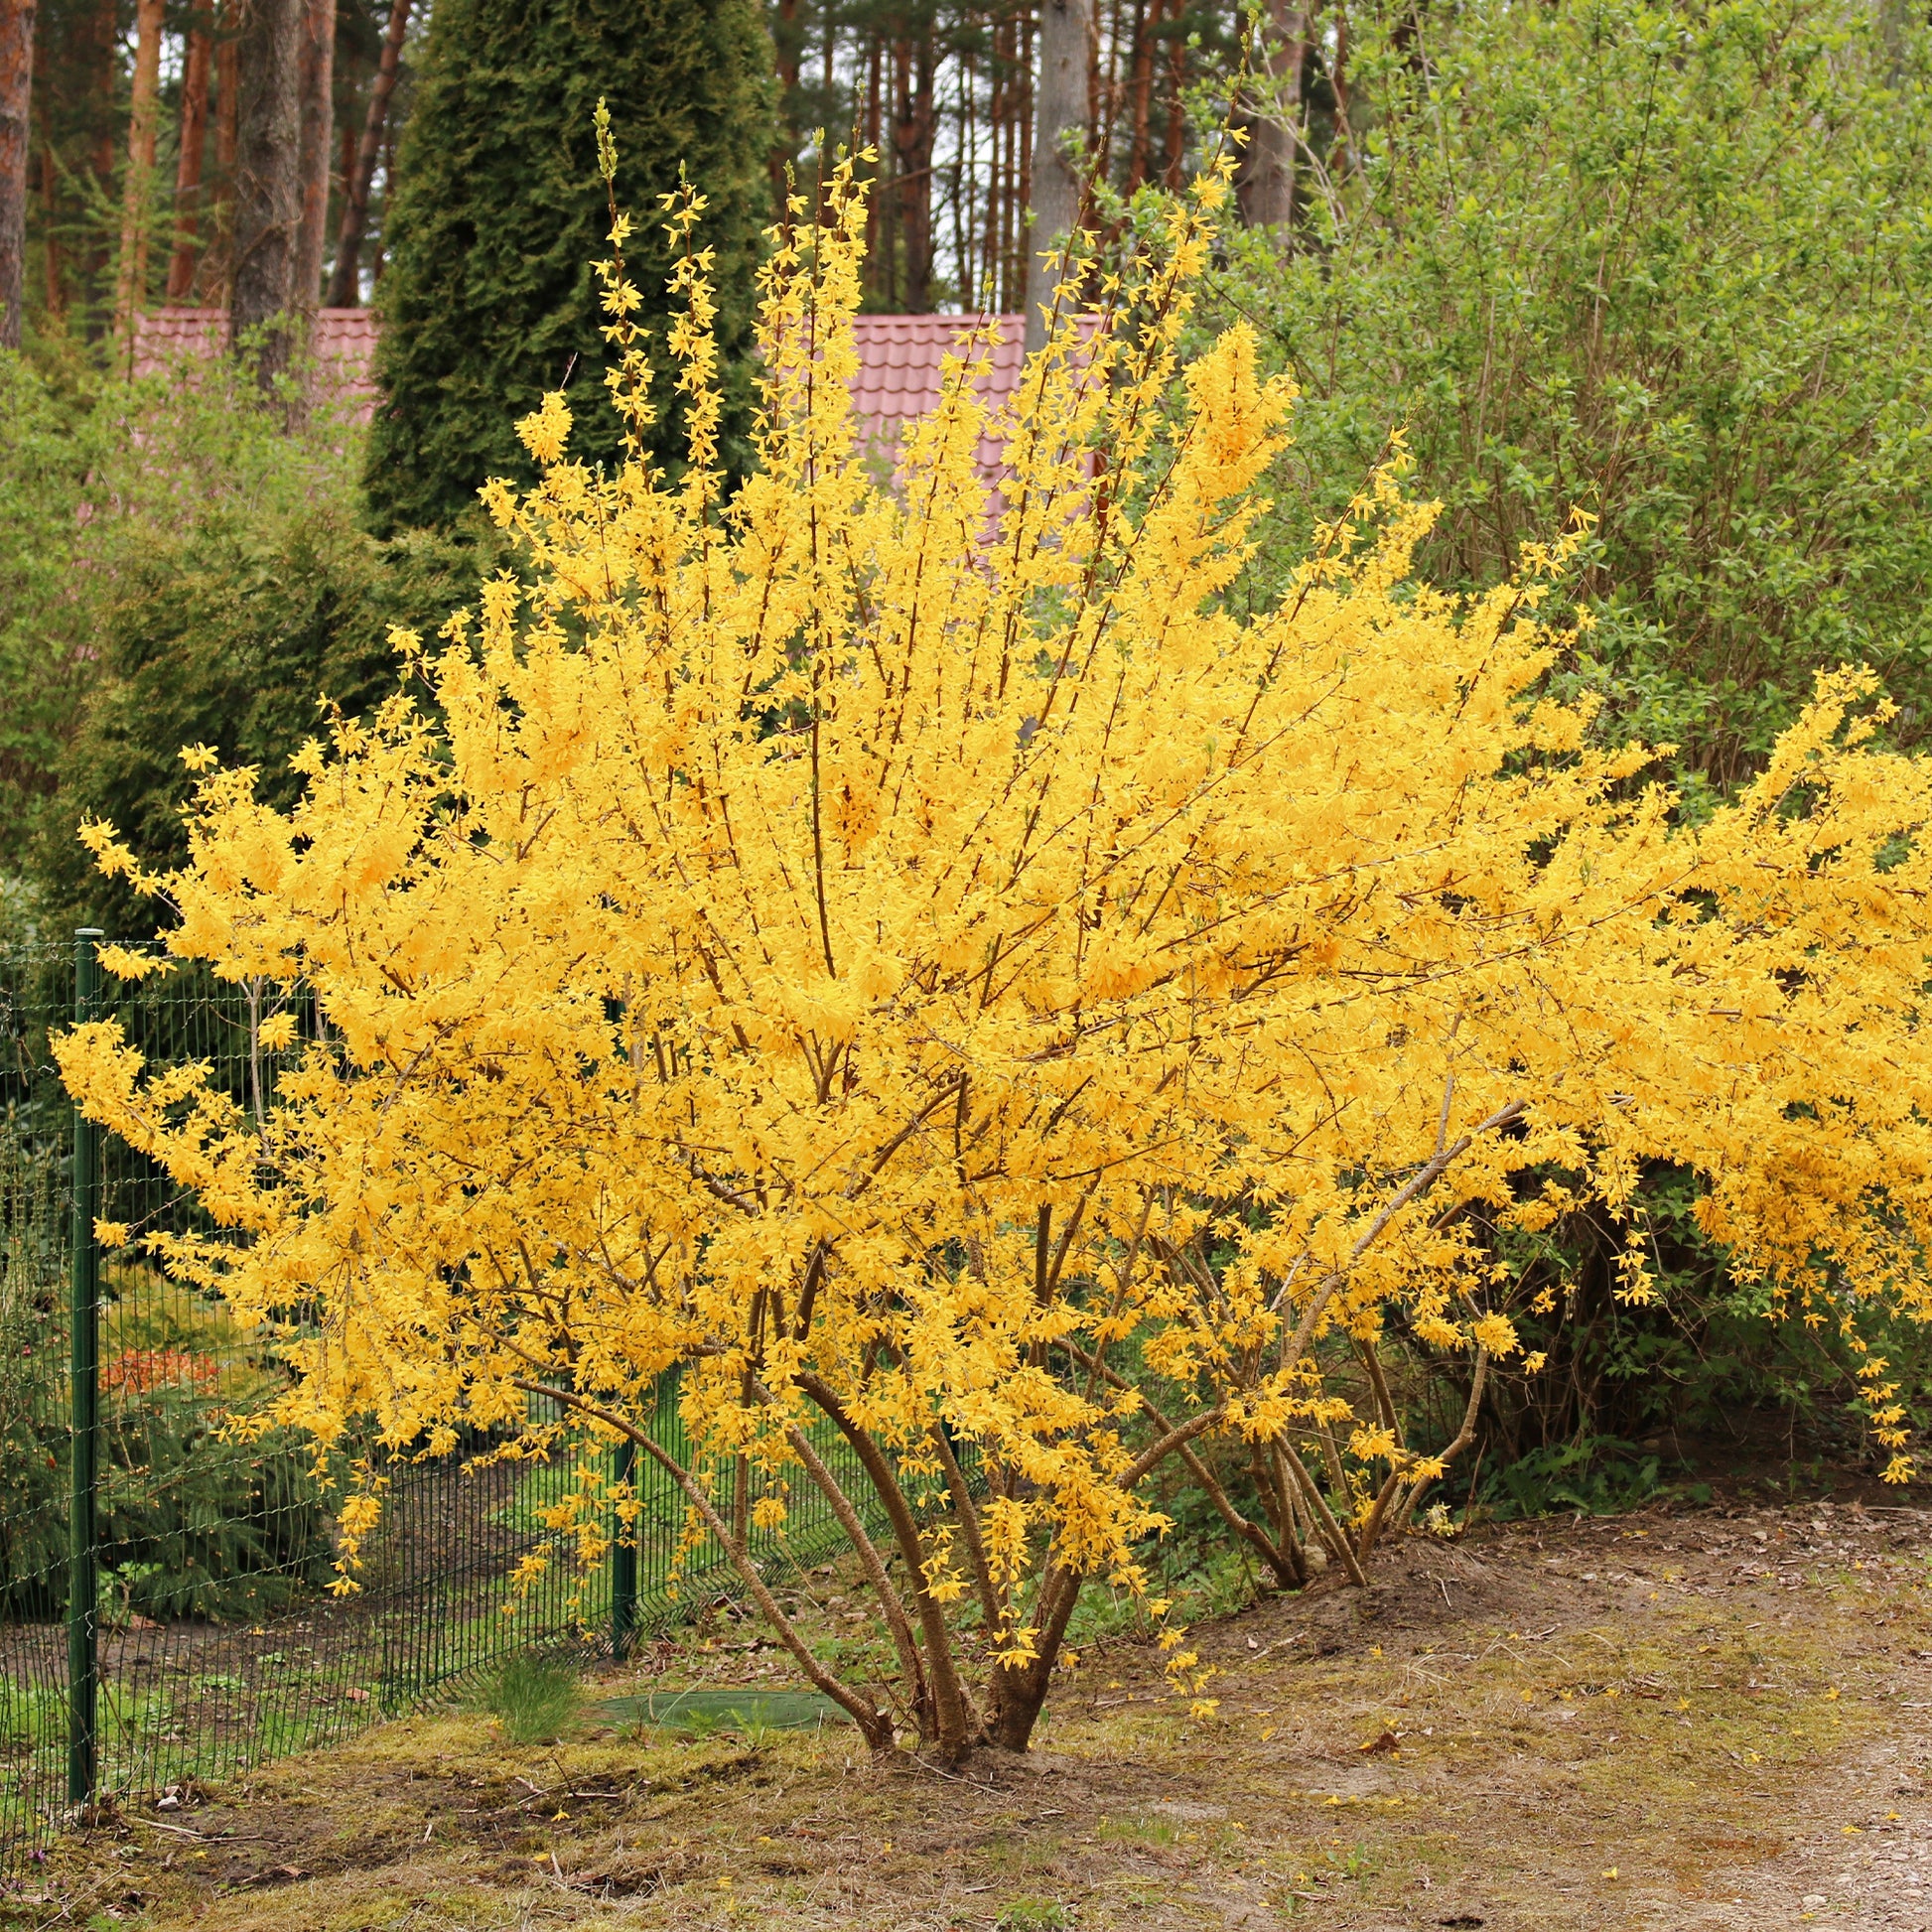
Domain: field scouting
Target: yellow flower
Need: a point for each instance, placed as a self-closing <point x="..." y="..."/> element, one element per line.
<point x="546" y="428"/>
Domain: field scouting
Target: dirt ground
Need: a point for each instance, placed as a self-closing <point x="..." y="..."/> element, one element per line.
<point x="1658" y="1721"/>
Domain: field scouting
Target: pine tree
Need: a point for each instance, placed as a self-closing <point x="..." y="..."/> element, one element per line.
<point x="490" y="296"/>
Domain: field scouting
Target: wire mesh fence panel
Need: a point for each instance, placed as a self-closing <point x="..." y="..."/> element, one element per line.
<point x="215" y="1640"/>
<point x="207" y="1636"/>
<point x="36" y="1149"/>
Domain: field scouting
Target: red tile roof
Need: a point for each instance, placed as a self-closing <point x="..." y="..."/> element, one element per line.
<point x="898" y="361"/>
<point x="898" y="371"/>
<point x="343" y="346"/>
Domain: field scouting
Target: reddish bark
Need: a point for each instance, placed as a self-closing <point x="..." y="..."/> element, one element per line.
<point x="345" y="285"/>
<point x="143" y="122"/>
<point x="16" y="97"/>
<point x="318" y="150"/>
<point x="218" y="257"/>
<point x="187" y="167"/>
<point x="913" y="131"/>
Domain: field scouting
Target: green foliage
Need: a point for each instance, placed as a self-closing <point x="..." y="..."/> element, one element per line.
<point x="1034" y="1915"/>
<point x="1669" y="266"/>
<point x="490" y="298"/>
<point x="1595" y="1475"/>
<point x="1666" y="265"/>
<point x="535" y="1696"/>
<point x="193" y="1524"/>
<point x="230" y="635"/>
<point x="46" y="448"/>
<point x="701" y="1713"/>
<point x="172" y="554"/>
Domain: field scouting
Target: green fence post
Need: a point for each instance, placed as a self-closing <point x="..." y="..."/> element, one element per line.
<point x="624" y="1558"/>
<point x="85" y="1412"/>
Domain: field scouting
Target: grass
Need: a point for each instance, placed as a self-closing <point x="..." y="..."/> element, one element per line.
<point x="535" y="1697"/>
<point x="698" y="1712"/>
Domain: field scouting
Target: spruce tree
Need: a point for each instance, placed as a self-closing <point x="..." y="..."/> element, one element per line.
<point x="489" y="297"/>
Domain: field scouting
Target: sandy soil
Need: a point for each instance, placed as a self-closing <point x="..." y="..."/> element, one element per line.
<point x="1714" y="1719"/>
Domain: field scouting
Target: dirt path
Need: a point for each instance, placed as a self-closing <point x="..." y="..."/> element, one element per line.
<point x="1711" y="1721"/>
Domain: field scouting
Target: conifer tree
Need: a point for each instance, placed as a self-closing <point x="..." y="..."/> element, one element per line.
<point x="488" y="295"/>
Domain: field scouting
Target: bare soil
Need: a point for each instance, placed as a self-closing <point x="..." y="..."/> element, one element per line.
<point x="1680" y="1721"/>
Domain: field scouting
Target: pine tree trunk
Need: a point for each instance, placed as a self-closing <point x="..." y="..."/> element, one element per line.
<point x="137" y="191"/>
<point x="993" y="257"/>
<point x="1265" y="189"/>
<point x="344" y="284"/>
<point x="912" y="129"/>
<point x="267" y="183"/>
<point x="1059" y="107"/>
<point x="318" y="150"/>
<point x="878" y="272"/>
<point x="187" y="167"/>
<point x="16" y="97"/>
<point x="1175" y="156"/>
<point x="1140" y="89"/>
<point x="103" y="117"/>
<point x="218" y="258"/>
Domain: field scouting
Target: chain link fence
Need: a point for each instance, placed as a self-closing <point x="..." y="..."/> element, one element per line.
<point x="164" y="1604"/>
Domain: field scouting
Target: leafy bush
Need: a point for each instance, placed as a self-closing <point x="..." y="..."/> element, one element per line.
<point x="921" y="988"/>
<point x="488" y="297"/>
<point x="230" y="635"/>
<point x="1668" y="265"/>
<point x="1595" y="1475"/>
<point x="192" y="1525"/>
<point x="99" y="477"/>
<point x="177" y="566"/>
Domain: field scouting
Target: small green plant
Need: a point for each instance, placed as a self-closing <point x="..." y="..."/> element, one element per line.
<point x="1596" y="1476"/>
<point x="535" y="1699"/>
<point x="1355" y="1862"/>
<point x="1034" y="1915"/>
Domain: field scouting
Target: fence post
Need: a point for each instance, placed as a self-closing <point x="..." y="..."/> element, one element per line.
<point x="85" y="1412"/>
<point x="624" y="1558"/>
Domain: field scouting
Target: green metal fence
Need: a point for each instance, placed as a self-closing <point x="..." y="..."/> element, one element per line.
<point x="164" y="1611"/>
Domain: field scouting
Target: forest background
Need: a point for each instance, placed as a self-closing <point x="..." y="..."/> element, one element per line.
<point x="1670" y="266"/>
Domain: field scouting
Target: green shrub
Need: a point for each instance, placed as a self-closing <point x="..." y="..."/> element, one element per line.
<point x="99" y="477"/>
<point x="1592" y="1475"/>
<point x="1670" y="265"/>
<point x="1034" y="1915"/>
<point x="231" y="636"/>
<point x="191" y="1524"/>
<point x="489" y="297"/>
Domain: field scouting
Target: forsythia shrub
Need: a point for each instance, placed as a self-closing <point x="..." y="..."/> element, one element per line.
<point x="927" y="963"/>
